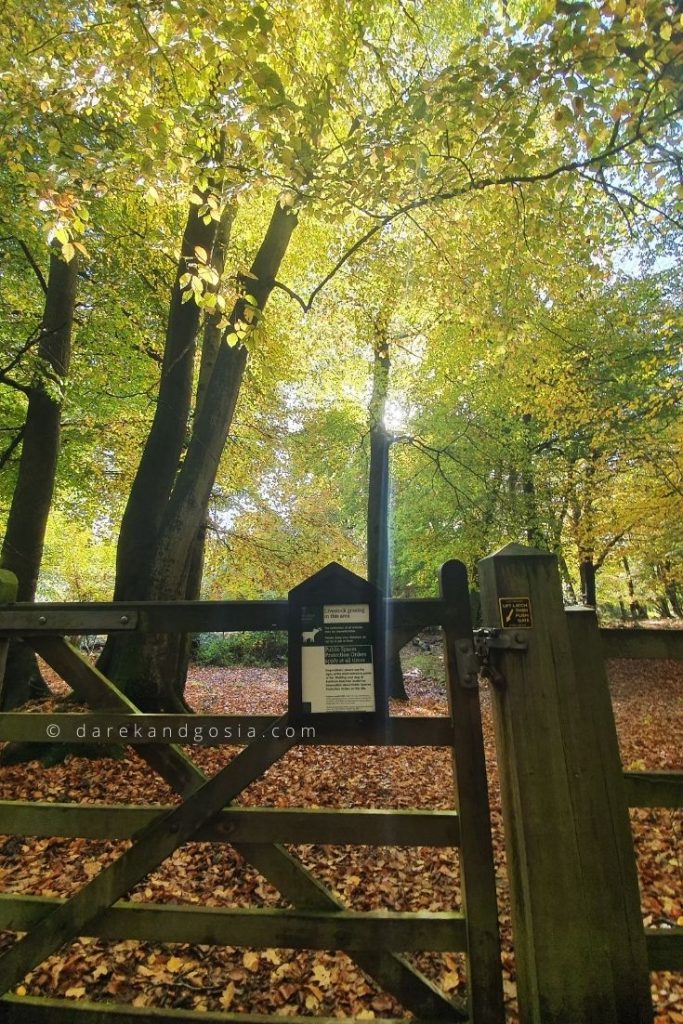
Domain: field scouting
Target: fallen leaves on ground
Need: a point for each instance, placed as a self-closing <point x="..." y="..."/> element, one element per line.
<point x="648" y="702"/>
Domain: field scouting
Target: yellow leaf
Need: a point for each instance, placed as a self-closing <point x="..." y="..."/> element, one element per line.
<point x="251" y="960"/>
<point x="174" y="964"/>
<point x="75" y="992"/>
<point x="450" y="981"/>
<point x="227" y="995"/>
<point x="201" y="253"/>
<point x="322" y="975"/>
<point x="21" y="991"/>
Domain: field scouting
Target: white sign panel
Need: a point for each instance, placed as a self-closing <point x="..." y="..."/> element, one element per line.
<point x="336" y="658"/>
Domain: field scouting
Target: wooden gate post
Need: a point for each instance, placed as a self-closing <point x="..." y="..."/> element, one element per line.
<point x="579" y="940"/>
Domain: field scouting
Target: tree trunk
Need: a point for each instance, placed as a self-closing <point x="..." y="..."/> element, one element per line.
<point x="533" y="532"/>
<point x="638" y="610"/>
<point x="22" y="547"/>
<point x="378" y="476"/>
<point x="210" y="346"/>
<point x="673" y="596"/>
<point x="167" y="436"/>
<point x="378" y="502"/>
<point x="588" y="588"/>
<point x="122" y="658"/>
<point x="566" y="577"/>
<point x="151" y="676"/>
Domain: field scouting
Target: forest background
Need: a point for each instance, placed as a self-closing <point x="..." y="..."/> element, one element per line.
<point x="375" y="281"/>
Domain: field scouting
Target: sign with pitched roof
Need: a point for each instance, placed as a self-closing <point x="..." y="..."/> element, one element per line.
<point x="334" y="650"/>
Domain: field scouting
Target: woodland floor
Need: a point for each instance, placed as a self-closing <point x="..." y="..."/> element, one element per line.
<point x="648" y="702"/>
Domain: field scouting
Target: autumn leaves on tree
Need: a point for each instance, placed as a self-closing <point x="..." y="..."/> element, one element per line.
<point x="212" y="204"/>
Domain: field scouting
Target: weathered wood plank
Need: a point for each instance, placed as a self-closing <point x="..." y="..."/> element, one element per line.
<point x="654" y="789"/>
<point x="324" y="826"/>
<point x="566" y="972"/>
<point x="23" y="619"/>
<point x="260" y="929"/>
<point x="95" y="689"/>
<point x="610" y="872"/>
<point x="642" y="643"/>
<point x="396" y="974"/>
<point x="665" y="948"/>
<point x="153" y="843"/>
<point x="196" y="730"/>
<point x="36" y="1010"/>
<point x="477" y="875"/>
<point x="405" y="617"/>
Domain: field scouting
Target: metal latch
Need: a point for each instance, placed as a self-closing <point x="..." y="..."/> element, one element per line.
<point x="489" y="640"/>
<point x="474" y="658"/>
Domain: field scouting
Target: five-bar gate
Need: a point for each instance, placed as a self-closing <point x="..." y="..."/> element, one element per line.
<point x="377" y="941"/>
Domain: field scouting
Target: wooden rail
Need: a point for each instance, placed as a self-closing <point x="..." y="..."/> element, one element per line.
<point x="405" y="618"/>
<point x="642" y="643"/>
<point x="296" y="825"/>
<point x="654" y="789"/>
<point x="404" y="731"/>
<point x="438" y="931"/>
<point x="88" y="619"/>
<point x="37" y="1010"/>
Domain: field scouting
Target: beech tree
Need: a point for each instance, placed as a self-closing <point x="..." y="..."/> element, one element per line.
<point x="341" y="123"/>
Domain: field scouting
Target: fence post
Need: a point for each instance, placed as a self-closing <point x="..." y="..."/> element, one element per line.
<point x="577" y="961"/>
<point x="8" y="594"/>
<point x="619" y="890"/>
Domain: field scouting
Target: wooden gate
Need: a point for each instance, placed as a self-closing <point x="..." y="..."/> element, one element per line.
<point x="376" y="940"/>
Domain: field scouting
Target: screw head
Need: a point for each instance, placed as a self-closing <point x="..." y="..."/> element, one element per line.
<point x="124" y="620"/>
<point x="520" y="638"/>
<point x="41" y="620"/>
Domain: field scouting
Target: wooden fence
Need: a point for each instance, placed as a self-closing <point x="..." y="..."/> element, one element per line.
<point x="581" y="951"/>
<point x="376" y="940"/>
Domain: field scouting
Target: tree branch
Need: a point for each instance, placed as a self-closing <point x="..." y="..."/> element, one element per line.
<point x="481" y="184"/>
<point x="30" y="258"/>
<point x="14" y="443"/>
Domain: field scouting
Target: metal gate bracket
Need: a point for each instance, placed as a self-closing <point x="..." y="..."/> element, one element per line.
<point x="489" y="640"/>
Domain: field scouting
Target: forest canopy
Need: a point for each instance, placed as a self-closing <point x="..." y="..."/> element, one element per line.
<point x="278" y="281"/>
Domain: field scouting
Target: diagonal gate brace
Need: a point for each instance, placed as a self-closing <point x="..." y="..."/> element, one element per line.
<point x="152" y="844"/>
<point x="391" y="970"/>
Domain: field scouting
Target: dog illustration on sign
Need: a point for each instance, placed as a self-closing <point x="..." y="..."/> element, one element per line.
<point x="309" y="637"/>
